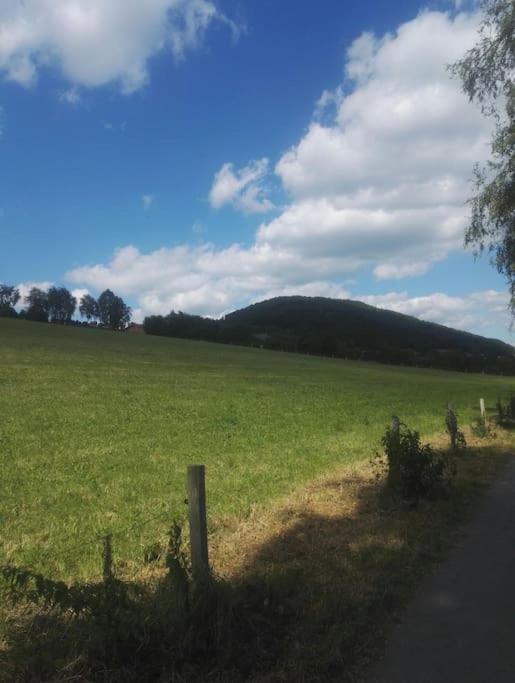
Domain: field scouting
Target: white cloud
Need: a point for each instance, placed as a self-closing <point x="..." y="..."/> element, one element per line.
<point x="147" y="200"/>
<point x="202" y="279"/>
<point x="390" y="271"/>
<point x="387" y="179"/>
<point x="477" y="311"/>
<point x="244" y="189"/>
<point x="192" y="21"/>
<point x="78" y="293"/>
<point x="95" y="42"/>
<point x="70" y="96"/>
<point x="328" y="99"/>
<point x="363" y="236"/>
<point x="385" y="184"/>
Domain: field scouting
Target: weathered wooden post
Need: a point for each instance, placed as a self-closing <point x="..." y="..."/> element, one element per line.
<point x="482" y="408"/>
<point x="451" y="422"/>
<point x="198" y="522"/>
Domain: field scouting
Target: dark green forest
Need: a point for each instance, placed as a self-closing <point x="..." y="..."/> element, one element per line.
<point x="343" y="329"/>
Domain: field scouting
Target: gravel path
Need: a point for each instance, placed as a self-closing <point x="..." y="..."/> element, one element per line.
<point x="461" y="624"/>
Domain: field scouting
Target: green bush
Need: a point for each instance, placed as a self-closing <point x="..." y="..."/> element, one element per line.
<point x="414" y="470"/>
<point x="501" y="410"/>
<point x="482" y="429"/>
<point x="505" y="412"/>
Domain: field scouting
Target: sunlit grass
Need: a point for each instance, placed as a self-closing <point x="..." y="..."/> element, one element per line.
<point x="97" y="428"/>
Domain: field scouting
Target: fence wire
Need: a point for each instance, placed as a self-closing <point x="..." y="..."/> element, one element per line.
<point x="75" y="539"/>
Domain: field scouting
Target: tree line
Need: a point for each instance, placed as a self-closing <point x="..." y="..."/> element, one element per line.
<point x="58" y="305"/>
<point x="342" y="329"/>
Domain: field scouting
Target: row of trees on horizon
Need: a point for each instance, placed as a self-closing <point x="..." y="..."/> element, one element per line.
<point x="339" y="329"/>
<point x="58" y="305"/>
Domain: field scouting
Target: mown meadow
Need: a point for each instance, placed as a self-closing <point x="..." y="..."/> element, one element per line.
<point x="97" y="428"/>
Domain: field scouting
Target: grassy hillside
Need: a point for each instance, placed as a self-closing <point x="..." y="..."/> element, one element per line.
<point x="97" y="428"/>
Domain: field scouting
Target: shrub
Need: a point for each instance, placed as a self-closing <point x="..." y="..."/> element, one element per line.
<point x="7" y="311"/>
<point x="482" y="429"/>
<point x="414" y="470"/>
<point x="502" y="410"/>
<point x="505" y="412"/>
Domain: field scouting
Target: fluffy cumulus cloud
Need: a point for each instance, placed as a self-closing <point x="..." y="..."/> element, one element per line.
<point x="478" y="310"/>
<point x="378" y="181"/>
<point x="384" y="182"/>
<point x="386" y="179"/>
<point x="203" y="279"/>
<point x="243" y="189"/>
<point x="95" y="42"/>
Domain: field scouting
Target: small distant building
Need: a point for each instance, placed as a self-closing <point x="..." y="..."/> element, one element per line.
<point x="135" y="328"/>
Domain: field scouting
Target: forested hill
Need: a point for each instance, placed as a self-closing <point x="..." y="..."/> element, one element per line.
<point x="345" y="329"/>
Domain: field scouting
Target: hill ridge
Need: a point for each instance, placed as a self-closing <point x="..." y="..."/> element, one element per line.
<point x="363" y="304"/>
<point x="344" y="328"/>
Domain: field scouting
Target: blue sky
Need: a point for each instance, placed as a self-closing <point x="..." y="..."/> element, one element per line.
<point x="200" y="155"/>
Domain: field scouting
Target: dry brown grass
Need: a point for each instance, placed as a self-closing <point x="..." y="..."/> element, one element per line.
<point x="345" y="493"/>
<point x="336" y="496"/>
<point x="345" y="560"/>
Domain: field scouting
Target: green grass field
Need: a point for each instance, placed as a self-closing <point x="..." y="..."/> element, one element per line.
<point x="96" y="430"/>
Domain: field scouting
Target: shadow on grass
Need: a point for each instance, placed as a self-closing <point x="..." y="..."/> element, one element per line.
<point x="164" y="628"/>
<point x="311" y="602"/>
<point x="508" y="424"/>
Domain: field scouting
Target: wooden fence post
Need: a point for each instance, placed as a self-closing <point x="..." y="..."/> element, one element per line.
<point x="198" y="521"/>
<point x="482" y="408"/>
